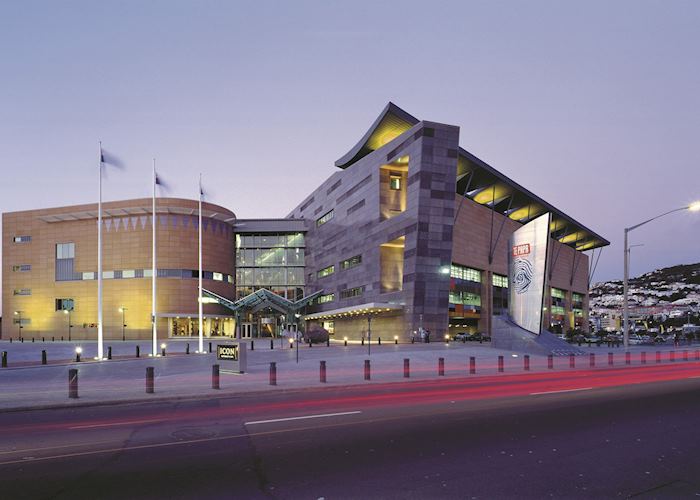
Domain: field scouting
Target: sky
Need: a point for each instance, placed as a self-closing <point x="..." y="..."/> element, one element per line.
<point x="592" y="105"/>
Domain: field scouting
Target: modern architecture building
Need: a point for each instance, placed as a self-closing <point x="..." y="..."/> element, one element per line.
<point x="409" y="235"/>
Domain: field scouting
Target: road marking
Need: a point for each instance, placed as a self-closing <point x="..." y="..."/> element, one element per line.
<point x="112" y="424"/>
<point x="563" y="390"/>
<point x="323" y="415"/>
<point x="696" y="376"/>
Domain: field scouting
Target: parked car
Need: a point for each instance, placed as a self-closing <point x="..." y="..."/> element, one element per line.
<point x="461" y="336"/>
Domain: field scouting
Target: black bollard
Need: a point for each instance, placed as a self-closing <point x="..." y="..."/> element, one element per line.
<point x="215" y="377"/>
<point x="363" y="341"/>
<point x="162" y="350"/>
<point x="628" y="358"/>
<point x="209" y="347"/>
<point x="53" y="339"/>
<point x="138" y="351"/>
<point x="291" y="344"/>
<point x="572" y="361"/>
<point x="109" y="352"/>
<point x="32" y="340"/>
<point x="441" y="367"/>
<point x="406" y="368"/>
<point x="379" y="341"/>
<point x="310" y="345"/>
<point x="10" y="340"/>
<point x="73" y="383"/>
<point x="413" y="340"/>
<point x="367" y="370"/>
<point x="252" y="345"/>
<point x="610" y="359"/>
<point x="396" y="340"/>
<point x="272" y="344"/>
<point x="21" y="339"/>
<point x="591" y="360"/>
<point x="4" y="359"/>
<point x="322" y="372"/>
<point x="77" y="356"/>
<point x="187" y="348"/>
<point x="644" y="357"/>
<point x="273" y="373"/>
<point x="43" y="339"/>
<point x="526" y="362"/>
<point x="43" y="357"/>
<point x="345" y="342"/>
<point x="328" y="342"/>
<point x="500" y="364"/>
<point x="550" y="361"/>
<point x="472" y="365"/>
<point x="150" y="384"/>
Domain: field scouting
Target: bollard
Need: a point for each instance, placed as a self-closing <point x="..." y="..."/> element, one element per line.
<point x="209" y="347"/>
<point x="187" y="348"/>
<point x="346" y="342"/>
<point x="328" y="342"/>
<point x="672" y="356"/>
<point x="685" y="355"/>
<point x="138" y="351"/>
<point x="628" y="358"/>
<point x="43" y="357"/>
<point x="363" y="341"/>
<point x="406" y="368"/>
<point x="572" y="361"/>
<point x="10" y="340"/>
<point x="379" y="341"/>
<point x="310" y="345"/>
<point x="4" y="359"/>
<point x="441" y="367"/>
<point x="526" y="362"/>
<point x="32" y="340"/>
<point x="610" y="359"/>
<point x="77" y="356"/>
<point x="215" y="377"/>
<point x="149" y="380"/>
<point x="162" y="350"/>
<point x="61" y="338"/>
<point x="367" y="369"/>
<point x="43" y="339"/>
<point x="273" y="373"/>
<point x="472" y="365"/>
<point x="291" y="343"/>
<point x="550" y="361"/>
<point x="272" y="345"/>
<point x="591" y="360"/>
<point x="252" y="345"/>
<point x="21" y="339"/>
<point x="53" y="339"/>
<point x="109" y="352"/>
<point x="73" y="383"/>
<point x="658" y="356"/>
<point x="396" y="340"/>
<point x="500" y="364"/>
<point x="413" y="340"/>
<point x="643" y="358"/>
<point x="322" y="372"/>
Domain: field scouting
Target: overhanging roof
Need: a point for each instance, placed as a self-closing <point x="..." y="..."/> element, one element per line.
<point x="479" y="182"/>
<point x="359" y="310"/>
<point x="134" y="211"/>
<point x="260" y="297"/>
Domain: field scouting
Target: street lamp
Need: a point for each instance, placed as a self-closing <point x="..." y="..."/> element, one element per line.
<point x="19" y="323"/>
<point x="67" y="312"/>
<point x="693" y="207"/>
<point x="123" y="310"/>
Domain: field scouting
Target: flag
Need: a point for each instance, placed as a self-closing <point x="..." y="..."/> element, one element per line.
<point x="107" y="158"/>
<point x="160" y="182"/>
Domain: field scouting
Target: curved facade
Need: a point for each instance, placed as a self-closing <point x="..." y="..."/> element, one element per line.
<point x="50" y="263"/>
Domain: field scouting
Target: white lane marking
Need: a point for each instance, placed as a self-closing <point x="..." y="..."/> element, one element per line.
<point x="323" y="415"/>
<point x="563" y="390"/>
<point x="696" y="376"/>
<point x="112" y="424"/>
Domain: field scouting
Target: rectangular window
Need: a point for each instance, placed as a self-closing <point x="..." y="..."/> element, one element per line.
<point x="465" y="298"/>
<point x="107" y="275"/>
<point x="326" y="271"/>
<point x="576" y="297"/>
<point x="22" y="239"/>
<point x="329" y="297"/>
<point x="89" y="276"/>
<point x="22" y="291"/>
<point x="558" y="293"/>
<point x="324" y="218"/>
<point x="465" y="273"/>
<point x="65" y="304"/>
<point x="218" y="277"/>
<point x="558" y="310"/>
<point x="352" y="292"/>
<point x="395" y="182"/>
<point x="500" y="281"/>
<point x="65" y="250"/>
<point x="351" y="262"/>
<point x="578" y="312"/>
<point x="23" y="268"/>
<point x="129" y="273"/>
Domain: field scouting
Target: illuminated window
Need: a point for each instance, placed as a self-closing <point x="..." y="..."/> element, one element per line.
<point x="324" y="218"/>
<point x="465" y="298"/>
<point x="23" y="268"/>
<point x="578" y="312"/>
<point x="500" y="281"/>
<point x="326" y="271"/>
<point x="351" y="262"/>
<point x="329" y="297"/>
<point x="22" y="291"/>
<point x="218" y="277"/>
<point x="65" y="304"/>
<point x="352" y="292"/>
<point x="65" y="250"/>
<point x="576" y="297"/>
<point x="395" y="182"/>
<point x="465" y="273"/>
<point x="329" y="326"/>
<point x="22" y="239"/>
<point x="558" y="310"/>
<point x="558" y="293"/>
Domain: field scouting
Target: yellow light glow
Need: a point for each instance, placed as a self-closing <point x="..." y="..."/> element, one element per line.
<point x="291" y="340"/>
<point x="570" y="238"/>
<point x="78" y="350"/>
<point x="162" y="346"/>
<point x="492" y="193"/>
<point x="694" y="207"/>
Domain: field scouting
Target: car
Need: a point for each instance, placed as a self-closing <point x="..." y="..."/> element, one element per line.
<point x="461" y="336"/>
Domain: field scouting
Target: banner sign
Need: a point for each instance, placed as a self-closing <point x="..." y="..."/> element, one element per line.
<point x="529" y="248"/>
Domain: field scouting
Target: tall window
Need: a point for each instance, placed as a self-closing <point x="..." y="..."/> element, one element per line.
<point x="352" y="292"/>
<point x="324" y="218"/>
<point x="395" y="182"/>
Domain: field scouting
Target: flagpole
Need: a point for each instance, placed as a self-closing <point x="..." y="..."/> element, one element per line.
<point x="201" y="314"/>
<point x="100" y="349"/>
<point x="154" y="271"/>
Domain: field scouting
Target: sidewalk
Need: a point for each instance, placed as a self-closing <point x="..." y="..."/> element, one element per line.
<point x="178" y="375"/>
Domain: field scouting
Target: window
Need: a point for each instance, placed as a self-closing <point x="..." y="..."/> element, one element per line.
<point x="465" y="298"/>
<point x="89" y="276"/>
<point x="107" y="275"/>
<point x="352" y="292"/>
<point x="329" y="326"/>
<point x="351" y="262"/>
<point x="558" y="310"/>
<point x="578" y="312"/>
<point x="23" y="268"/>
<point x="326" y="271"/>
<point x="576" y="297"/>
<point x="465" y="273"/>
<point x="395" y="182"/>
<point x="324" y="218"/>
<point x="22" y="291"/>
<point x="218" y="277"/>
<point x="129" y="273"/>
<point x="65" y="304"/>
<point x="500" y="281"/>
<point x="558" y="293"/>
<point x="329" y="297"/>
<point x="65" y="250"/>
<point x="22" y="239"/>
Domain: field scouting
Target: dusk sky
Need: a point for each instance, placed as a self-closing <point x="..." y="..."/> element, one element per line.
<point x="594" y="106"/>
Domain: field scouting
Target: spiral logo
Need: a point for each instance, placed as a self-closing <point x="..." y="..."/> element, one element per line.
<point x="522" y="275"/>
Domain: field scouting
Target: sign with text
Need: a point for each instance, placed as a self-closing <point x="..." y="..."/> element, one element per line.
<point x="232" y="357"/>
<point x="227" y="352"/>
<point x="528" y="273"/>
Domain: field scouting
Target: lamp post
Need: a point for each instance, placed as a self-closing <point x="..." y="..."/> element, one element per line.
<point x="693" y="207"/>
<point x="70" y="326"/>
<point x="19" y="322"/>
<point x="123" y="310"/>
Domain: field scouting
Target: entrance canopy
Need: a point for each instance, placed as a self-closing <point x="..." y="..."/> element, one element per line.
<point x="359" y="310"/>
<point x="261" y="299"/>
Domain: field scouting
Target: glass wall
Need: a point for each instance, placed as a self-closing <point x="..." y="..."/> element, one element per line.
<point x="272" y="261"/>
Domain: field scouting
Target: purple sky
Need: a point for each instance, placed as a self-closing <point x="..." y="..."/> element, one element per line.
<point x="594" y="106"/>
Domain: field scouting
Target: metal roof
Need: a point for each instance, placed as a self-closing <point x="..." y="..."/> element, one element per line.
<point x="133" y="211"/>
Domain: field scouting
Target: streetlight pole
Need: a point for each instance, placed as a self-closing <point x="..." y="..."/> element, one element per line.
<point x="693" y="207"/>
<point x="123" y="311"/>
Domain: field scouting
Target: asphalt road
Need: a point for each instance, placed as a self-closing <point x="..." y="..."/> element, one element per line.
<point x="580" y="434"/>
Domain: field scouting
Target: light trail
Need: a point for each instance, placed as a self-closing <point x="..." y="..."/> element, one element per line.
<point x="287" y="419"/>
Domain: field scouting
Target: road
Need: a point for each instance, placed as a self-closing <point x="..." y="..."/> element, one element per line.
<point x="579" y="434"/>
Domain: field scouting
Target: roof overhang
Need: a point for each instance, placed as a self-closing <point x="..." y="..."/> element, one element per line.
<point x="134" y="211"/>
<point x="359" y="310"/>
